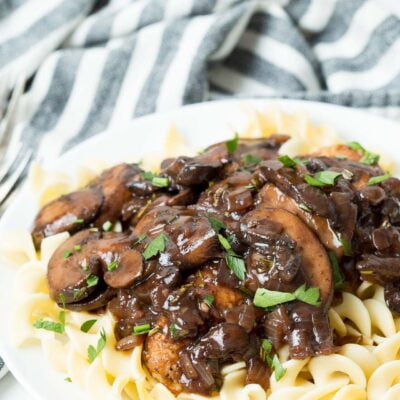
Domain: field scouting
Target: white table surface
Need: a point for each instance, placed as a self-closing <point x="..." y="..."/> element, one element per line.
<point x="10" y="389"/>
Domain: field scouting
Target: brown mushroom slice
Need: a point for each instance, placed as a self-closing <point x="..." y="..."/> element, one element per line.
<point x="271" y="197"/>
<point x="98" y="299"/>
<point x="315" y="262"/>
<point x="192" y="241"/>
<point x="69" y="268"/>
<point x="161" y="357"/>
<point x="126" y="271"/>
<point x="113" y="184"/>
<point x="68" y="213"/>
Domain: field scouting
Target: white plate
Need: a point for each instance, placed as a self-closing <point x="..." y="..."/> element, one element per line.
<point x="201" y="125"/>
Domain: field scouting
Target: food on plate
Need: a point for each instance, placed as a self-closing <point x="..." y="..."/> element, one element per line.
<point x="228" y="256"/>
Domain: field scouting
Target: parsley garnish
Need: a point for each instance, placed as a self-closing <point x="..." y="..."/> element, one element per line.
<point x="66" y="254"/>
<point x="79" y="221"/>
<point x="157" y="245"/>
<point x="346" y="245"/>
<point x="113" y="265"/>
<point x="287" y="161"/>
<point x="160" y="181"/>
<point x="209" y="299"/>
<point x="101" y="343"/>
<point x="107" y="226"/>
<point x="250" y="159"/>
<point x="58" y="327"/>
<point x="141" y="238"/>
<point x="273" y="363"/>
<point x="141" y="329"/>
<point x="267" y="298"/>
<point x="148" y="175"/>
<point x="216" y="224"/>
<point x="87" y="325"/>
<point x="322" y="178"/>
<point x="68" y="379"/>
<point x="280" y="371"/>
<point x="92" y="280"/>
<point x="231" y="145"/>
<point x="77" y="247"/>
<point x="377" y="179"/>
<point x="337" y="275"/>
<point x="237" y="265"/>
<point x="368" y="157"/>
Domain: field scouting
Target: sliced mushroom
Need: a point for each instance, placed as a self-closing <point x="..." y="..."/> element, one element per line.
<point x="315" y="264"/>
<point x="271" y="197"/>
<point x="69" y="269"/>
<point x="98" y="299"/>
<point x="128" y="270"/>
<point x="68" y="213"/>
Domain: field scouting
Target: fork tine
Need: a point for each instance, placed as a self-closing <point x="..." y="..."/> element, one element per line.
<point x="11" y="180"/>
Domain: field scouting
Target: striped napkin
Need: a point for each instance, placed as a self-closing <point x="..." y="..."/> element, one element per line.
<point x="96" y="64"/>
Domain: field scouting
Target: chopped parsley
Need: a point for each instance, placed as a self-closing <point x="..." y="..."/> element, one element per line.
<point x="250" y="159"/>
<point x="156" y="246"/>
<point x="79" y="221"/>
<point x="268" y="298"/>
<point x="68" y="379"/>
<point x="232" y="144"/>
<point x="141" y="329"/>
<point x="279" y="370"/>
<point x="356" y="146"/>
<point x="287" y="161"/>
<point x="67" y="254"/>
<point x="273" y="362"/>
<point x="377" y="179"/>
<point x="92" y="280"/>
<point x="77" y="247"/>
<point x="147" y="175"/>
<point x="107" y="226"/>
<point x="322" y="178"/>
<point x="216" y="224"/>
<point x="93" y="352"/>
<point x="237" y="265"/>
<point x="112" y="266"/>
<point x="370" y="158"/>
<point x="160" y="181"/>
<point x="87" y="325"/>
<point x="209" y="299"/>
<point x="337" y="275"/>
<point x="57" y="327"/>
<point x="141" y="238"/>
<point x="346" y="245"/>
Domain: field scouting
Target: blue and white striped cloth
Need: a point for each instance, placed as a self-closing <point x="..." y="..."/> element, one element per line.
<point x="96" y="64"/>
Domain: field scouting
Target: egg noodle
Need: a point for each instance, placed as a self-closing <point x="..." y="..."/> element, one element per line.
<point x="367" y="370"/>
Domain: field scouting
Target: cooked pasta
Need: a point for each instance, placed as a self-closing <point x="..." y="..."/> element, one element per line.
<point x="369" y="369"/>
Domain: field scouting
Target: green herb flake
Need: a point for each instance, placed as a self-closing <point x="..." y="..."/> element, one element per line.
<point x="147" y="175"/>
<point x="92" y="280"/>
<point x="279" y="370"/>
<point x="346" y="245"/>
<point x="265" y="298"/>
<point x="156" y="246"/>
<point x="310" y="296"/>
<point x="79" y="221"/>
<point x="209" y="299"/>
<point x="84" y="265"/>
<point x="63" y="300"/>
<point x="232" y="144"/>
<point x="216" y="224"/>
<point x="327" y="177"/>
<point x="67" y="254"/>
<point x="357" y="147"/>
<point x="337" y="275"/>
<point x="313" y="182"/>
<point x="172" y="328"/>
<point x="112" y="266"/>
<point x="160" y="181"/>
<point x="265" y="351"/>
<point x="93" y="352"/>
<point x="57" y="327"/>
<point x="250" y="159"/>
<point x="107" y="226"/>
<point x="61" y="317"/>
<point x="370" y="158"/>
<point x="68" y="379"/>
<point x="140" y="238"/>
<point x="237" y="265"/>
<point x="77" y="247"/>
<point x="141" y="329"/>
<point x="224" y="242"/>
<point x="287" y="161"/>
<point x="377" y="179"/>
<point x="87" y="325"/>
<point x="79" y="293"/>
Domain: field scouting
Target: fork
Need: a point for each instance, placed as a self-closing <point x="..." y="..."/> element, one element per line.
<point x="14" y="159"/>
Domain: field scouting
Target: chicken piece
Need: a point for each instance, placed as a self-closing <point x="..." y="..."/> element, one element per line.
<point x="161" y="357"/>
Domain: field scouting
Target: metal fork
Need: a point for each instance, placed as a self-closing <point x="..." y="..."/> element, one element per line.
<point x="13" y="159"/>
